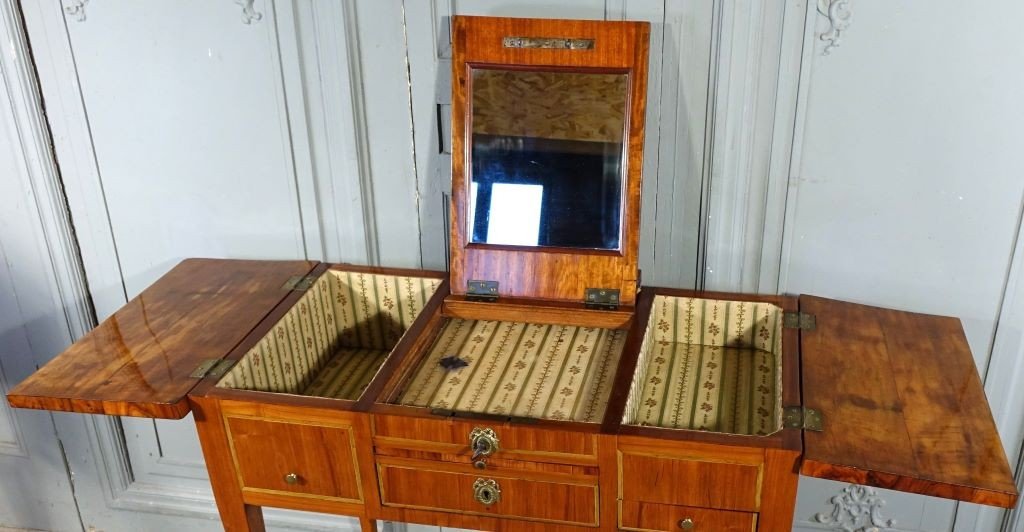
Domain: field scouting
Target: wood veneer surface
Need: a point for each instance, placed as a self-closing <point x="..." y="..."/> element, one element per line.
<point x="903" y="405"/>
<point x="138" y="362"/>
<point x="538" y="272"/>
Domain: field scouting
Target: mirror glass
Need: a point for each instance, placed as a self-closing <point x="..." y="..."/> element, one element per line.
<point x="546" y="159"/>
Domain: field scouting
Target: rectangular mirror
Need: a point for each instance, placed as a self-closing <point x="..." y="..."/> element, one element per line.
<point x="547" y="157"/>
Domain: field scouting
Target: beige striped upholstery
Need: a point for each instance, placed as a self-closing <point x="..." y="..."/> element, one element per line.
<point x="519" y="369"/>
<point x="709" y="365"/>
<point x="337" y="335"/>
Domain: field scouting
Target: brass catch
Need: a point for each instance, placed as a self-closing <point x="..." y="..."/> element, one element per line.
<point x="799" y="417"/>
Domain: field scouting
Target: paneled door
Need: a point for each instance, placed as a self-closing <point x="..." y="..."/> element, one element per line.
<point x="35" y="490"/>
<point x="177" y="136"/>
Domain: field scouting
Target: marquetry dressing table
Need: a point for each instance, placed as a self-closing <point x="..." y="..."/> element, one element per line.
<point x="535" y="386"/>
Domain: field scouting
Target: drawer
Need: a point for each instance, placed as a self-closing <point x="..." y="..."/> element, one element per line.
<point x="428" y="486"/>
<point x="299" y="459"/>
<point x="514" y="442"/>
<point x="650" y="516"/>
<point x="692" y="481"/>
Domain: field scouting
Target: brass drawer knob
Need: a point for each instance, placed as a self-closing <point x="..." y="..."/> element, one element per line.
<point x="483" y="442"/>
<point x="686" y="524"/>
<point x="486" y="491"/>
<point x="291" y="478"/>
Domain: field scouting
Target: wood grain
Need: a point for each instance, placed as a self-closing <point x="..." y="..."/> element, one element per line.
<point x="426" y="485"/>
<point x="719" y="477"/>
<point x="903" y="405"/>
<point x="516" y="442"/>
<point x="648" y="516"/>
<point x="538" y="272"/>
<point x="322" y="457"/>
<point x="536" y="311"/>
<point x="448" y="436"/>
<point x="235" y="514"/>
<point x="138" y="361"/>
<point x="778" y="496"/>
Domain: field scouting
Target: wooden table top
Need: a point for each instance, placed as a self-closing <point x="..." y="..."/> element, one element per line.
<point x="903" y="405"/>
<point x="138" y="361"/>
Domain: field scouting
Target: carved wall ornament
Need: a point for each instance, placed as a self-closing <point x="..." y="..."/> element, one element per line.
<point x="76" y="9"/>
<point x="856" y="509"/>
<point x="839" y="17"/>
<point x="249" y="13"/>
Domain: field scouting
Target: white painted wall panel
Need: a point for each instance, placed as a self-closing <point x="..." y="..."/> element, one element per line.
<point x="190" y="133"/>
<point x="909" y="188"/>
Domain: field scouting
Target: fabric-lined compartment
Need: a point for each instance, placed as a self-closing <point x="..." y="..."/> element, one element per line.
<point x="336" y="337"/>
<point x="519" y="369"/>
<point x="709" y="365"/>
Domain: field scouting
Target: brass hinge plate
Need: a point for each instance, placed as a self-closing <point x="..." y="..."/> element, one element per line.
<point x="482" y="291"/>
<point x="799" y="320"/>
<point x="601" y="298"/>
<point x="799" y="417"/>
<point x="299" y="282"/>
<point x="212" y="367"/>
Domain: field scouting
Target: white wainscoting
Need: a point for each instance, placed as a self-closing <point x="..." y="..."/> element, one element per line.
<point x="890" y="203"/>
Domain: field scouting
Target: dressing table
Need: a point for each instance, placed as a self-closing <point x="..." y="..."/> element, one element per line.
<point x="536" y="385"/>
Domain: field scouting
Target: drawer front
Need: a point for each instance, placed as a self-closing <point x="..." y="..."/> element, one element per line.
<point x="302" y="459"/>
<point x="418" y="486"/>
<point x="514" y="442"/>
<point x="690" y="482"/>
<point x="661" y="517"/>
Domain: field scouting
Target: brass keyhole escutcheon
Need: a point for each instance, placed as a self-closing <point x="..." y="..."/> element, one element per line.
<point x="483" y="442"/>
<point x="686" y="524"/>
<point x="486" y="491"/>
<point x="291" y="479"/>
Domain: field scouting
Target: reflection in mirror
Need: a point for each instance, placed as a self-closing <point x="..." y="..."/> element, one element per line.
<point x="547" y="150"/>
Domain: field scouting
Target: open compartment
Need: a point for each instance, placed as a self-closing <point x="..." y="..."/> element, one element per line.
<point x="711" y="365"/>
<point x="335" y="338"/>
<point x="516" y="369"/>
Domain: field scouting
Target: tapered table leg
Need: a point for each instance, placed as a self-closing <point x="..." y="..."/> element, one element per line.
<point x="367" y="524"/>
<point x="235" y="515"/>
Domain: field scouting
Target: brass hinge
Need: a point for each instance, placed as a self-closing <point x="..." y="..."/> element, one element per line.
<point x="601" y="298"/>
<point x="482" y="291"/>
<point x="212" y="367"/>
<point x="799" y="320"/>
<point x="299" y="282"/>
<point x="799" y="417"/>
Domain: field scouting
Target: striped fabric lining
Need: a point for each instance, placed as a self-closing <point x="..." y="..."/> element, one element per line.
<point x="346" y="324"/>
<point x="709" y="365"/>
<point x="347" y="374"/>
<point x="519" y="369"/>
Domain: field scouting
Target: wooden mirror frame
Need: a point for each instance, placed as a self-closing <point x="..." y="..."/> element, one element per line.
<point x="548" y="273"/>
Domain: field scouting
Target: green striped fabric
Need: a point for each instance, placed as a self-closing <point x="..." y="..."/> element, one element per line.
<point x="709" y="365"/>
<point x="519" y="369"/>
<point x="347" y="374"/>
<point x="346" y="323"/>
